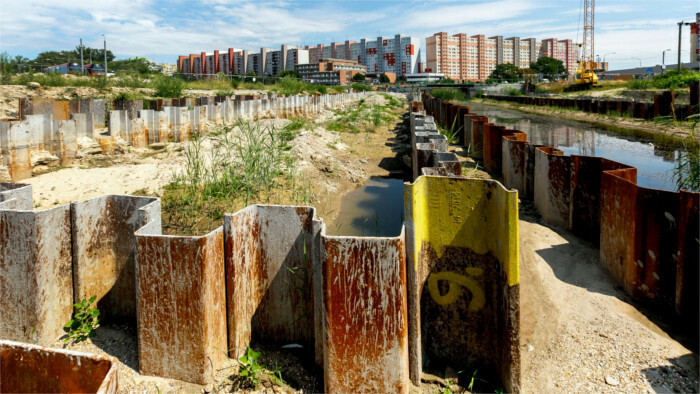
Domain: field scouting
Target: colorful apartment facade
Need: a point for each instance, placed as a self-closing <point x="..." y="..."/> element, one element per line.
<point x="473" y="58"/>
<point x="399" y="54"/>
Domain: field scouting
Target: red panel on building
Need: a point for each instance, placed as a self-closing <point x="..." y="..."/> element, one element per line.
<point x="384" y="43"/>
<point x="409" y="49"/>
<point x="390" y="58"/>
<point x="371" y="51"/>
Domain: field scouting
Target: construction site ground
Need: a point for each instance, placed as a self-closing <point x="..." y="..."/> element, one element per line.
<point x="579" y="331"/>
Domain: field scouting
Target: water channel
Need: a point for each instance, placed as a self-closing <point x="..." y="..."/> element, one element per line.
<point x="376" y="208"/>
<point x="654" y="164"/>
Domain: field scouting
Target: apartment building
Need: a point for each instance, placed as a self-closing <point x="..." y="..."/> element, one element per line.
<point x="564" y="50"/>
<point x="399" y="54"/>
<point x="330" y="71"/>
<point x="473" y="58"/>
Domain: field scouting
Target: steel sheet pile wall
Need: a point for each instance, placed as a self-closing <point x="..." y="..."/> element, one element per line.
<point x="36" y="294"/>
<point x="181" y="298"/>
<point x="52" y="258"/>
<point x="648" y="238"/>
<point x="56" y="126"/>
<point x="33" y="369"/>
<point x="271" y="258"/>
<point x="463" y="296"/>
<point x="663" y="105"/>
<point x="462" y="248"/>
<point x="429" y="154"/>
<point x="103" y="245"/>
<point x="366" y="323"/>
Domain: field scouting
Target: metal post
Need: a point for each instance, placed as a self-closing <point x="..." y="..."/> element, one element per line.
<point x="105" y="56"/>
<point x="82" y="63"/>
<point x="680" y="28"/>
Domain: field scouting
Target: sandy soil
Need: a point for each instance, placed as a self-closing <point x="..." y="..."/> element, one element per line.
<point x="614" y="123"/>
<point x="579" y="332"/>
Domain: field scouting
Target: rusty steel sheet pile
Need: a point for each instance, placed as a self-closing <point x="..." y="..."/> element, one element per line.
<point x="26" y="368"/>
<point x="272" y="256"/>
<point x="649" y="239"/>
<point x="181" y="304"/>
<point x="36" y="292"/>
<point x="103" y="251"/>
<point x="463" y="275"/>
<point x="365" y="315"/>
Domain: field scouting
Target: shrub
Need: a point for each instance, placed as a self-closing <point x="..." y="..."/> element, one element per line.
<point x="449" y="94"/>
<point x="225" y="93"/>
<point x="361" y="88"/>
<point x="84" y="322"/>
<point x="639" y="84"/>
<point x="168" y="87"/>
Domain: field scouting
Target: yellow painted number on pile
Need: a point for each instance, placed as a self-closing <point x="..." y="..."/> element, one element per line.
<point x="456" y="282"/>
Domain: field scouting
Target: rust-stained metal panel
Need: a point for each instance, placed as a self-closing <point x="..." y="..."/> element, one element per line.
<point x="270" y="259"/>
<point x="553" y="185"/>
<point x="463" y="276"/>
<point x="585" y="194"/>
<point x="687" y="272"/>
<point x="364" y="296"/>
<point x="514" y="158"/>
<point x="103" y="250"/>
<point x="35" y="271"/>
<point x="181" y="305"/>
<point x="26" y="368"/>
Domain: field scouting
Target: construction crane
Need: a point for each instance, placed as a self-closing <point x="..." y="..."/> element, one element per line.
<point x="585" y="74"/>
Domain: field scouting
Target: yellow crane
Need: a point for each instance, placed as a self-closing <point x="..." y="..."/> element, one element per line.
<point x="585" y="76"/>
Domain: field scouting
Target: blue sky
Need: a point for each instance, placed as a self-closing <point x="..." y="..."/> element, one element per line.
<point x="165" y="28"/>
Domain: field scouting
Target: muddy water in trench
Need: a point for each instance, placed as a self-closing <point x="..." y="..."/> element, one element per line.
<point x="654" y="165"/>
<point x="373" y="210"/>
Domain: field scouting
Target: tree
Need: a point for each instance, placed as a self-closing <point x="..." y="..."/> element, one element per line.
<point x="384" y="79"/>
<point x="505" y="71"/>
<point x="51" y="58"/>
<point x="446" y="80"/>
<point x="359" y="77"/>
<point x="138" y="65"/>
<point x="549" y="66"/>
<point x="401" y="79"/>
<point x="252" y="73"/>
<point x="290" y="73"/>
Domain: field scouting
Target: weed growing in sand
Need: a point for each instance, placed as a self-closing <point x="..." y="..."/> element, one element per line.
<point x="84" y="323"/>
<point x="242" y="164"/>
<point x="452" y="134"/>
<point x="250" y="372"/>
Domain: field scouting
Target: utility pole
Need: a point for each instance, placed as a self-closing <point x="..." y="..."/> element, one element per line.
<point x="680" y="29"/>
<point x="82" y="63"/>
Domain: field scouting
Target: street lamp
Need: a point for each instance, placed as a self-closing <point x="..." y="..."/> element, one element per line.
<point x="663" y="60"/>
<point x="640" y="61"/>
<point x="611" y="53"/>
